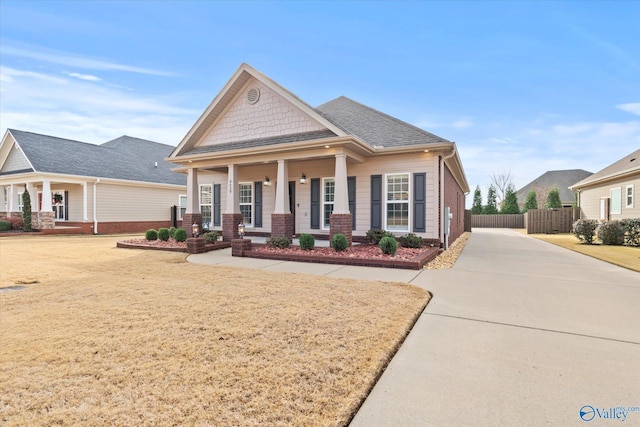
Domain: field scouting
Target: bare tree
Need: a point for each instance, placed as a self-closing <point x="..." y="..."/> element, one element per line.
<point x="501" y="182"/>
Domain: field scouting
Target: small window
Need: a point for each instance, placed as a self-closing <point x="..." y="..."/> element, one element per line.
<point x="182" y="206"/>
<point x="246" y="202"/>
<point x="328" y="197"/>
<point x="206" y="202"/>
<point x="629" y="196"/>
<point x="616" y="201"/>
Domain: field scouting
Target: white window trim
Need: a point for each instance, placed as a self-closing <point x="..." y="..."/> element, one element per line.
<point x="253" y="211"/>
<point x="633" y="196"/>
<point x="387" y="201"/>
<point x="200" y="204"/>
<point x="181" y="197"/>
<point x="612" y="203"/>
<point x="323" y="203"/>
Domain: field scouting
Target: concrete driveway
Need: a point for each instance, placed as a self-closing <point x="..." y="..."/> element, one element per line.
<point x="519" y="333"/>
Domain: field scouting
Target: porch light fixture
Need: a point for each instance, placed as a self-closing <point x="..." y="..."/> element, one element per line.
<point x="303" y="179"/>
<point x="267" y="182"/>
<point x="195" y="229"/>
<point x="241" y="230"/>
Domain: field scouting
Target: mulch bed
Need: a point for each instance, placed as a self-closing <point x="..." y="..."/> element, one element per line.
<point x="169" y="245"/>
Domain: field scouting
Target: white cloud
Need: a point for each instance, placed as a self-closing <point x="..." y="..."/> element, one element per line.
<point x="77" y="61"/>
<point x="87" y="77"/>
<point x="633" y="108"/>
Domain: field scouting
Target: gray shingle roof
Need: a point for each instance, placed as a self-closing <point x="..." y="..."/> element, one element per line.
<point x="630" y="162"/>
<point x="374" y="127"/>
<point x="560" y="178"/>
<point x="124" y="158"/>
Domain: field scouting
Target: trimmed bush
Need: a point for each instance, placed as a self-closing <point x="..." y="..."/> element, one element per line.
<point x="339" y="242"/>
<point x="26" y="210"/>
<point x="172" y="230"/>
<point x="388" y="245"/>
<point x="410" y="241"/>
<point x="278" y="242"/>
<point x="5" y="225"/>
<point x="631" y="231"/>
<point x="307" y="242"/>
<point x="585" y="230"/>
<point x="611" y="233"/>
<point x="374" y="235"/>
<point x="180" y="235"/>
<point x="210" y="236"/>
<point x="16" y="222"/>
<point x="151" y="235"/>
<point x="163" y="234"/>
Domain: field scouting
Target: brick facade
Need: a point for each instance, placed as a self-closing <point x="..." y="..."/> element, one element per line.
<point x="282" y="226"/>
<point x="230" y="226"/>
<point x="196" y="245"/>
<point x="189" y="219"/>
<point x="341" y="223"/>
<point x="454" y="198"/>
<point x="240" y="246"/>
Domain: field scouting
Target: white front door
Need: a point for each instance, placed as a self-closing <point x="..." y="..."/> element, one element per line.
<point x="59" y="204"/>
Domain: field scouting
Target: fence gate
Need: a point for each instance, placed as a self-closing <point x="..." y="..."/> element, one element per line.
<point x="550" y="221"/>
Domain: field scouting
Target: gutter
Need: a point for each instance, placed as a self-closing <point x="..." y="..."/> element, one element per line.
<point x="95" y="206"/>
<point x="442" y="212"/>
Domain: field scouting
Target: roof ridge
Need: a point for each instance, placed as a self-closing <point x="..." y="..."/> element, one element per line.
<point x="52" y="137"/>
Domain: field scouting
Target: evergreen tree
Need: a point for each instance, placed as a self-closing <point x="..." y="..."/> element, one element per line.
<point x="553" y="199"/>
<point x="26" y="209"/>
<point x="492" y="206"/>
<point x="476" y="208"/>
<point x="510" y="202"/>
<point x="531" y="202"/>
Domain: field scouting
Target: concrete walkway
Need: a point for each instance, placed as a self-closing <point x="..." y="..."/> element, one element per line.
<point x="519" y="332"/>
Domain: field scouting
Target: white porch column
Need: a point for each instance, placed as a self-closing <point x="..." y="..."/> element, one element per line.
<point x="341" y="198"/>
<point x="233" y="198"/>
<point x="282" y="189"/>
<point x="47" y="205"/>
<point x="3" y="199"/>
<point x="193" y="198"/>
<point x="85" y="201"/>
<point x="11" y="206"/>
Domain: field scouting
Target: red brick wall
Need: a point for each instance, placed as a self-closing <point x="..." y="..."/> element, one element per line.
<point x="341" y="224"/>
<point x="455" y="199"/>
<point x="282" y="225"/>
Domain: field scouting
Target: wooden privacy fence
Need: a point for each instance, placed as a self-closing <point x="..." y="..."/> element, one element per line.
<point x="498" y="221"/>
<point x="551" y="220"/>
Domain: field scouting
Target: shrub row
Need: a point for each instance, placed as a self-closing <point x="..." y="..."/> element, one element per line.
<point x="179" y="234"/>
<point x="623" y="232"/>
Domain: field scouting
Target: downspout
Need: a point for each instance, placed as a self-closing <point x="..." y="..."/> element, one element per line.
<point x="95" y="206"/>
<point x="442" y="218"/>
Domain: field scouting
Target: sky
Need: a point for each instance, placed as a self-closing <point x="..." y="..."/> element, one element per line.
<point x="521" y="87"/>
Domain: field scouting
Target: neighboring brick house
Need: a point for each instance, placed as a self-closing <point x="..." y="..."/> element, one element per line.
<point x="124" y="185"/>
<point x="561" y="179"/>
<point x="611" y="192"/>
<point x="261" y="156"/>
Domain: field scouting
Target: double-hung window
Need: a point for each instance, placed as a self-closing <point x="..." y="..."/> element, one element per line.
<point x="206" y="202"/>
<point x="328" y="197"/>
<point x="397" y="202"/>
<point x="182" y="205"/>
<point x="246" y="202"/>
<point x="629" y="196"/>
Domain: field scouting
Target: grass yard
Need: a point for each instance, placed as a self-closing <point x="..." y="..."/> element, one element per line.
<point x="624" y="256"/>
<point x="108" y="336"/>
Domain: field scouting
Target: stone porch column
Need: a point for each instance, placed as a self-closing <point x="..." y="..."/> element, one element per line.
<point x="232" y="216"/>
<point x="340" y="220"/>
<point x="47" y="219"/>
<point x="192" y="213"/>
<point x="282" y="218"/>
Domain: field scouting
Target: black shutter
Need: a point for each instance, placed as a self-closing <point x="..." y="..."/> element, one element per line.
<point x="216" y="205"/>
<point x="257" y="204"/>
<point x="351" y="189"/>
<point x="66" y="206"/>
<point x="315" y="203"/>
<point x="376" y="202"/>
<point x="419" y="202"/>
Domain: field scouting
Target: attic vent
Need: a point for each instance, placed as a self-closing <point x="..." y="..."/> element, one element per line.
<point x="632" y="159"/>
<point x="253" y="95"/>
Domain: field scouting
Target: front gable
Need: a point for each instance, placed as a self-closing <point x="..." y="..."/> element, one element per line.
<point x="12" y="158"/>
<point x="258" y="112"/>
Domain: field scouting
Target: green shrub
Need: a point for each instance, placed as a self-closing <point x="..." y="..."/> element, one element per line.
<point x="278" y="242"/>
<point x="5" y="225"/>
<point x="180" y="234"/>
<point x="374" y="235"/>
<point x="210" y="236"/>
<point x="26" y="210"/>
<point x="151" y="235"/>
<point x="163" y="234"/>
<point x="631" y="231"/>
<point x="585" y="229"/>
<point x="172" y="231"/>
<point x="339" y="242"/>
<point x="410" y="241"/>
<point x="611" y="233"/>
<point x="16" y="222"/>
<point x="388" y="245"/>
<point x="307" y="242"/>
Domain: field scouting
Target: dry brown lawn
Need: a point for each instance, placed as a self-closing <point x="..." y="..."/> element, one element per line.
<point x="107" y="336"/>
<point x="624" y="256"/>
